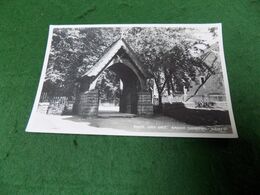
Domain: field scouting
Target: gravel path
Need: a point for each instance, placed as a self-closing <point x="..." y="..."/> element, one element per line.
<point x="147" y="126"/>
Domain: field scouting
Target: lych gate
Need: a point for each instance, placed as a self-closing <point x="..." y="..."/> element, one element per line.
<point x="134" y="98"/>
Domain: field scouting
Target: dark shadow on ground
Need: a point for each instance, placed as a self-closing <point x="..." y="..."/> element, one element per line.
<point x="152" y="123"/>
<point x="196" y="117"/>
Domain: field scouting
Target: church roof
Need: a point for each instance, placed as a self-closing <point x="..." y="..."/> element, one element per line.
<point x="211" y="56"/>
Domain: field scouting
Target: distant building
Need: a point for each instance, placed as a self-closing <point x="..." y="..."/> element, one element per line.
<point x="210" y="91"/>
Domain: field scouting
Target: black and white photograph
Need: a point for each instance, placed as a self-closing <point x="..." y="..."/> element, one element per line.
<point x="162" y="80"/>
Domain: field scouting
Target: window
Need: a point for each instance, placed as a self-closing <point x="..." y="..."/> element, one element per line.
<point x="202" y="80"/>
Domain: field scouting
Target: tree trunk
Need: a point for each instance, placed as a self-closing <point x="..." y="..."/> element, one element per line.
<point x="172" y="87"/>
<point x="195" y="93"/>
<point x="160" y="91"/>
<point x="168" y="87"/>
<point x="167" y="76"/>
<point x="160" y="106"/>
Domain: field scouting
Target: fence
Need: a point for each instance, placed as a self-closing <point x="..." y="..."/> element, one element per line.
<point x="198" y="101"/>
<point x="197" y="98"/>
<point x="208" y="98"/>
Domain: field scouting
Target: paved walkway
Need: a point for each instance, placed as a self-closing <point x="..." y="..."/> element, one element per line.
<point x="110" y="114"/>
<point x="136" y="126"/>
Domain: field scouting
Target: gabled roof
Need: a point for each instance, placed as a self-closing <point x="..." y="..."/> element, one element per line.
<point x="110" y="54"/>
<point x="214" y="48"/>
<point x="211" y="55"/>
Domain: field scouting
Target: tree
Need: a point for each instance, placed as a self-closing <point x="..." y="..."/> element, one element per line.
<point x="73" y="52"/>
<point x="165" y="53"/>
<point x="109" y="87"/>
<point x="211" y="67"/>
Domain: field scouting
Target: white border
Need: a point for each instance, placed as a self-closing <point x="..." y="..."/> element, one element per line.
<point x="234" y="133"/>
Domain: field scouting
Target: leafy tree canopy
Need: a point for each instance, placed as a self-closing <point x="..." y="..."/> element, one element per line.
<point x="165" y="53"/>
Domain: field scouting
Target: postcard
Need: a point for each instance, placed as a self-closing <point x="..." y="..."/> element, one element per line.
<point x="161" y="80"/>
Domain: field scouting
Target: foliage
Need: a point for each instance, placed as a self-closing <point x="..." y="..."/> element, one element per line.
<point x="73" y="52"/>
<point x="165" y="53"/>
<point x="109" y="87"/>
<point x="167" y="57"/>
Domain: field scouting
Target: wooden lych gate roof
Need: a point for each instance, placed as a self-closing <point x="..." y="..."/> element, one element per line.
<point x="110" y="54"/>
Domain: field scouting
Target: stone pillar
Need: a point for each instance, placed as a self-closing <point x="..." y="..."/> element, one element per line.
<point x="144" y="103"/>
<point x="128" y="103"/>
<point x="88" y="103"/>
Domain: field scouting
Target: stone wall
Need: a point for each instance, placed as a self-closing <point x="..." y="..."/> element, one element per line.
<point x="53" y="105"/>
<point x="43" y="107"/>
<point x="88" y="103"/>
<point x="198" y="117"/>
<point x="144" y="103"/>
